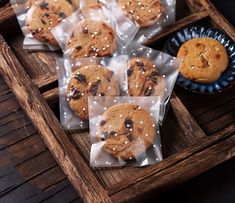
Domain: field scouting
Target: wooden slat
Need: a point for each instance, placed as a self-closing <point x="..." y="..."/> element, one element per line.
<point x="219" y="19"/>
<point x="195" y="5"/>
<point x="179" y="172"/>
<point x="187" y="21"/>
<point x="6" y="13"/>
<point x="174" y="159"/>
<point x="44" y="120"/>
<point x="39" y="65"/>
<point x="51" y="95"/>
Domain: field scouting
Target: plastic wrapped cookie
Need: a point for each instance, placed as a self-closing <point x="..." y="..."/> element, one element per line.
<point x="151" y="73"/>
<point x="84" y="83"/>
<point x="94" y="32"/>
<point x="152" y="16"/>
<point x="83" y="78"/>
<point x="144" y="78"/>
<point x="124" y="131"/>
<point x="44" y="15"/>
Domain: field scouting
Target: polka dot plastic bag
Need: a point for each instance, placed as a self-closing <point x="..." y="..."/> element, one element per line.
<point x="37" y="18"/>
<point x="87" y="77"/>
<point x="124" y="131"/>
<point x="150" y="73"/>
<point x="94" y="32"/>
<point x="152" y="16"/>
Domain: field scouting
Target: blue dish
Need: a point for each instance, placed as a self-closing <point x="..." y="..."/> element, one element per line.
<point x="226" y="80"/>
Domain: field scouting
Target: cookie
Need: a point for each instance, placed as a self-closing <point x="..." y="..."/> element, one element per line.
<point x="144" y="79"/>
<point x="91" y="38"/>
<point x="204" y="60"/>
<point x="87" y="81"/>
<point x="45" y="15"/>
<point x="144" y="12"/>
<point x="74" y="3"/>
<point x="127" y="130"/>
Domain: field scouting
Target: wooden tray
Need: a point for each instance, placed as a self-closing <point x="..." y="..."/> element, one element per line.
<point x="198" y="134"/>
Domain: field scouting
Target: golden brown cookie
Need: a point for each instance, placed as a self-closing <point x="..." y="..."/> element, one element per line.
<point x="143" y="78"/>
<point x="92" y="38"/>
<point x="74" y="3"/>
<point x="144" y="12"/>
<point x="127" y="130"/>
<point x="204" y="60"/>
<point x="87" y="81"/>
<point x="44" y="15"/>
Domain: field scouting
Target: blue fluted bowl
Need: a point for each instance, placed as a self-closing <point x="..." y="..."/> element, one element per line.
<point x="227" y="78"/>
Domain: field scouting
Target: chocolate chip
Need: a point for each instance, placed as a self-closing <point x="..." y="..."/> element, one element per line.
<point x="153" y="79"/>
<point x="128" y="123"/>
<point x="62" y="15"/>
<point x="74" y="93"/>
<point x="45" y="39"/>
<point x="78" y="48"/>
<point x="46" y="14"/>
<point x="154" y="73"/>
<point x="102" y="123"/>
<point x="94" y="88"/>
<point x="44" y="5"/>
<point x="102" y="94"/>
<point x="129" y="72"/>
<point x="149" y="91"/>
<point x="141" y="65"/>
<point x="81" y="78"/>
<point x="43" y="21"/>
<point x="85" y="30"/>
<point x="112" y="133"/>
<point x="130" y="137"/>
<point x="104" y="135"/>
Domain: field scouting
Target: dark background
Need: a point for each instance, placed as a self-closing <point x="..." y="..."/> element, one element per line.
<point x="216" y="185"/>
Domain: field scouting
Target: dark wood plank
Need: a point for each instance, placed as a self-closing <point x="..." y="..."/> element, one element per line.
<point x="172" y="176"/>
<point x="39" y="65"/>
<point x="178" y="25"/>
<point x="218" y="18"/>
<point x="6" y="13"/>
<point x="49" y="128"/>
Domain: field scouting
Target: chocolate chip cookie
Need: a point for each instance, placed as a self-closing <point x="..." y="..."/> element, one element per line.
<point x="144" y="79"/>
<point x="93" y="80"/>
<point x="128" y="130"/>
<point x="44" y="15"/>
<point x="204" y="60"/>
<point x="144" y="12"/>
<point x="92" y="38"/>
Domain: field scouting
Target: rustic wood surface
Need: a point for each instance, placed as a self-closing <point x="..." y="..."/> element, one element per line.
<point x="28" y="172"/>
<point x="49" y="128"/>
<point x="187" y="147"/>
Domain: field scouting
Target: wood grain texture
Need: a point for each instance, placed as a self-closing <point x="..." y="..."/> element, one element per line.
<point x="169" y="177"/>
<point x="6" y="13"/>
<point x="187" y="21"/>
<point x="28" y="171"/>
<point x="48" y="126"/>
<point x="218" y="18"/>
